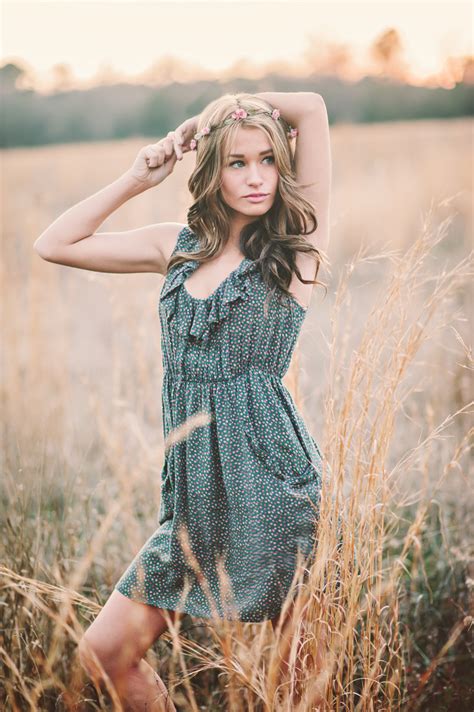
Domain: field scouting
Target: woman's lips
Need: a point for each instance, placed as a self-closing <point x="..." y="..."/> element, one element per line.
<point x="256" y="198"/>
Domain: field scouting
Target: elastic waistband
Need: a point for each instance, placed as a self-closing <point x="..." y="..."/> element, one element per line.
<point x="174" y="376"/>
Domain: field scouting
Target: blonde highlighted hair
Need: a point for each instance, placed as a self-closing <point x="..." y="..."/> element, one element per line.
<point x="272" y="239"/>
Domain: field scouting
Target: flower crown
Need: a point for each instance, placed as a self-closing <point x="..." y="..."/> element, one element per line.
<point x="235" y="116"/>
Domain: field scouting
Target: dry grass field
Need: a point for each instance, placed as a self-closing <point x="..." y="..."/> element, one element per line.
<point x="382" y="374"/>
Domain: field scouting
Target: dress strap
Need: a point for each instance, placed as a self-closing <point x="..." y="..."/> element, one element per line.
<point x="185" y="242"/>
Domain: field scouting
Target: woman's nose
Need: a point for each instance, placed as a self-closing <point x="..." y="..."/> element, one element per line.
<point x="254" y="176"/>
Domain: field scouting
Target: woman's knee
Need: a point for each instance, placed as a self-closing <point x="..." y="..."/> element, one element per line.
<point x="96" y="658"/>
<point x="118" y="638"/>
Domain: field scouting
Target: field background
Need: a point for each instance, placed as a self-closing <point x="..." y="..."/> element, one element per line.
<point x="81" y="365"/>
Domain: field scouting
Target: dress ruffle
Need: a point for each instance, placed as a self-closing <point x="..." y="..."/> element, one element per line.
<point x="199" y="318"/>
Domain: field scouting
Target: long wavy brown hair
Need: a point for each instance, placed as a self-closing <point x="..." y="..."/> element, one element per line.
<point x="271" y="240"/>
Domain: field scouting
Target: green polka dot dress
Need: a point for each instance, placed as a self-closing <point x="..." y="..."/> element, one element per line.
<point x="245" y="480"/>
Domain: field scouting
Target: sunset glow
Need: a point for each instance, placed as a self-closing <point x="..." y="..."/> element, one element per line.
<point x="144" y="41"/>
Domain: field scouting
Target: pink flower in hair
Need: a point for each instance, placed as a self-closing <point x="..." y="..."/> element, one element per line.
<point x="192" y="144"/>
<point x="293" y="132"/>
<point x="205" y="130"/>
<point x="239" y="114"/>
<point x="275" y="114"/>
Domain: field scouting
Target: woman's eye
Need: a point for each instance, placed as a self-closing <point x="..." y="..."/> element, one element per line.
<point x="234" y="162"/>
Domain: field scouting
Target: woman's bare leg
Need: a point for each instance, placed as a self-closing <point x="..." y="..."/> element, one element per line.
<point x="119" y="637"/>
<point x="143" y="689"/>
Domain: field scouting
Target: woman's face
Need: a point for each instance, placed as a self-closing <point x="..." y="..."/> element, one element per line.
<point x="249" y="168"/>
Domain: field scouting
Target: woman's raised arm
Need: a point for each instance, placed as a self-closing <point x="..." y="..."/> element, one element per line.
<point x="307" y="111"/>
<point x="72" y="239"/>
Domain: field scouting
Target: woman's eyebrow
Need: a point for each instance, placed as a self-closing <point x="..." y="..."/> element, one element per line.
<point x="242" y="155"/>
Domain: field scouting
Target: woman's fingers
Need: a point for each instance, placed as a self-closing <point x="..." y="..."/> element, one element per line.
<point x="179" y="142"/>
<point x="175" y="137"/>
<point x="168" y="144"/>
<point x="173" y="144"/>
<point x="157" y="155"/>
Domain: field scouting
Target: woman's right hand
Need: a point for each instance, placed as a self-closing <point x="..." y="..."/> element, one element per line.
<point x="185" y="132"/>
<point x="155" y="161"/>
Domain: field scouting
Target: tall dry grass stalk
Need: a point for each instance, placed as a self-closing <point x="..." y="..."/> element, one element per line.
<point x="347" y="644"/>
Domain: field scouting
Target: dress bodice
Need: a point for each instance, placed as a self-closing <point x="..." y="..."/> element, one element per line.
<point x="229" y="331"/>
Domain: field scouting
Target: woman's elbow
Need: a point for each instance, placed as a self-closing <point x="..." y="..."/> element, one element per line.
<point x="41" y="249"/>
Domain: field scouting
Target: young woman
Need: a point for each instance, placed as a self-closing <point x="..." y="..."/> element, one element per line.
<point x="240" y="492"/>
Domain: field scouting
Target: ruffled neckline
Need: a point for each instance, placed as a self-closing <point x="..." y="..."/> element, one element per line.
<point x="199" y="318"/>
<point x="240" y="266"/>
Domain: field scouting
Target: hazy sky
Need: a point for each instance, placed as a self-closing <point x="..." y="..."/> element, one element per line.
<point x="130" y="36"/>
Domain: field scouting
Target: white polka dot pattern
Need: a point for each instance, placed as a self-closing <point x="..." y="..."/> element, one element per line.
<point x="245" y="487"/>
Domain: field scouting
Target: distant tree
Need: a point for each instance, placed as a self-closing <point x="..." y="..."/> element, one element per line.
<point x="463" y="69"/>
<point x="387" y="55"/>
<point x="323" y="57"/>
<point x="468" y="70"/>
<point x="63" y="77"/>
<point x="9" y="75"/>
<point x="164" y="71"/>
<point x="107" y="74"/>
<point x="455" y="70"/>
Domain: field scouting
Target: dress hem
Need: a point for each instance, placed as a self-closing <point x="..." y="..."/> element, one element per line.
<point x="187" y="609"/>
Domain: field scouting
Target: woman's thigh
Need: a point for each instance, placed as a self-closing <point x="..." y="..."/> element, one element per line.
<point x="123" y="631"/>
